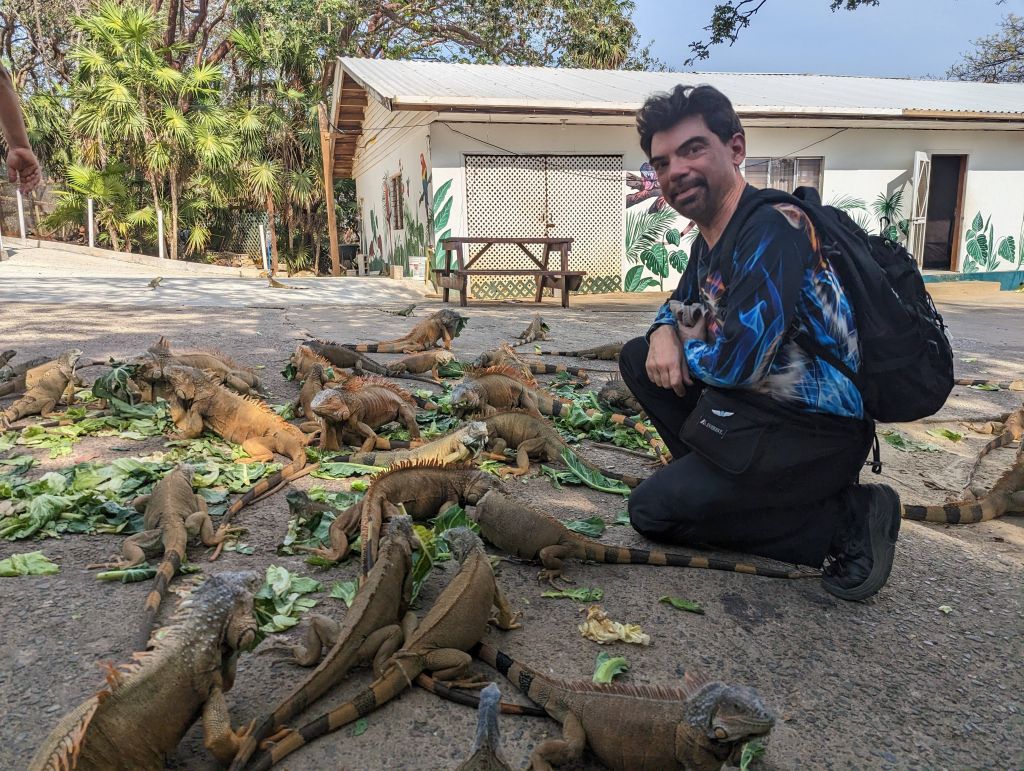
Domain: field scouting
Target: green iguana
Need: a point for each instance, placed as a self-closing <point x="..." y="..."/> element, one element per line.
<point x="607" y="352"/>
<point x="1012" y="431"/>
<point x="427" y="361"/>
<point x="362" y="404"/>
<point x="529" y="534"/>
<point x="533" y="437"/>
<point x="616" y="394"/>
<point x="147" y="706"/>
<point x="486" y="753"/>
<point x="24" y="375"/>
<point x="405" y="311"/>
<point x="172" y="514"/>
<point x="369" y="631"/>
<point x="344" y="356"/>
<point x="505" y="356"/>
<point x="6" y="370"/>
<point x="460" y="445"/>
<point x="46" y="391"/>
<point x="455" y="623"/>
<point x="537" y="330"/>
<point x="698" y="726"/>
<point x="1006" y="496"/>
<point x="444" y="325"/>
<point x="217" y="367"/>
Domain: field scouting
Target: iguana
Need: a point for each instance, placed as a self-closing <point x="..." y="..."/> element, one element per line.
<point x="529" y="534"/>
<point x="6" y="370"/>
<point x="360" y="406"/>
<point x="616" y="394"/>
<point x="405" y="311"/>
<point x="1013" y="385"/>
<point x="305" y="358"/>
<point x="148" y="705"/>
<point x="155" y="282"/>
<point x="217" y="366"/>
<point x="369" y="631"/>
<point x="444" y="325"/>
<point x="1006" y="496"/>
<point x="504" y="355"/>
<point x="172" y="514"/>
<point x="537" y="330"/>
<point x="533" y="437"/>
<point x="486" y="753"/>
<point x="607" y="352"/>
<point x="698" y="726"/>
<point x="427" y="361"/>
<point x="343" y="356"/>
<point x="46" y="392"/>
<point x="317" y="379"/>
<point x="1012" y="431"/>
<point x="459" y="445"/>
<point x="439" y="642"/>
<point x="24" y="375"/>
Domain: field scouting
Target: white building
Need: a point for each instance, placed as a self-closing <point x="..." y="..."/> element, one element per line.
<point x="441" y="149"/>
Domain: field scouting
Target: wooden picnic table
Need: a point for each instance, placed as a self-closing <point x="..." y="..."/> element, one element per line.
<point x="457" y="277"/>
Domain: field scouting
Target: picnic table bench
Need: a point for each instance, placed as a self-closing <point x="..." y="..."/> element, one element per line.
<point x="457" y="277"/>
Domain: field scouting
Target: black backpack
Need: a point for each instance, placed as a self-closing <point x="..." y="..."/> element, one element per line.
<point x="906" y="370"/>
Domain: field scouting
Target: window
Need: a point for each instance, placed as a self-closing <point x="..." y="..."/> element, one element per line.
<point x="397" y="203"/>
<point x="785" y="174"/>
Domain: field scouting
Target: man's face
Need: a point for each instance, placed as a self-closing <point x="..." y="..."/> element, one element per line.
<point x="695" y="168"/>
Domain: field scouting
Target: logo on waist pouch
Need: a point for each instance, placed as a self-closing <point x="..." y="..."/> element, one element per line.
<point x="712" y="427"/>
<point x="723" y="413"/>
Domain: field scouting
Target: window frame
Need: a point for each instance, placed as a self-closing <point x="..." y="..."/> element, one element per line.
<point x="397" y="202"/>
<point x="793" y="178"/>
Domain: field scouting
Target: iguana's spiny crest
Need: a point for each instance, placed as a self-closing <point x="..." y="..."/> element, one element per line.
<point x="364" y="381"/>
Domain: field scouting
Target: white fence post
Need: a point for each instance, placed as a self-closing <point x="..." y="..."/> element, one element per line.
<point x="2" y="252"/>
<point x="160" y="231"/>
<point x="92" y="230"/>
<point x="263" y="247"/>
<point x="21" y="214"/>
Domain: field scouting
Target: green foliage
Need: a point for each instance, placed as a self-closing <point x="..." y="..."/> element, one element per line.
<point x="997" y="58"/>
<point x="33" y="563"/>
<point x="982" y="252"/>
<point x="281" y="600"/>
<point x="680" y="604"/>
<point x="591" y="527"/>
<point x="751" y="752"/>
<point x="900" y="442"/>
<point x="606" y="667"/>
<point x="579" y="594"/>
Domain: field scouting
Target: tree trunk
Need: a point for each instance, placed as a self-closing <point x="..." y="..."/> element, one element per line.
<point x="156" y="209"/>
<point x="271" y="234"/>
<point x="173" y="237"/>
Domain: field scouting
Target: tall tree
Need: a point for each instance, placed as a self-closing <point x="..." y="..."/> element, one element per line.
<point x="997" y="58"/>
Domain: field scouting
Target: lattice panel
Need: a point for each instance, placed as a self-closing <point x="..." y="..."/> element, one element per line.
<point x="533" y="196"/>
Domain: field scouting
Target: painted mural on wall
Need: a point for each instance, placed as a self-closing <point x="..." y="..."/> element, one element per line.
<point x="442" y="212"/>
<point x="402" y="228"/>
<point x="654" y="235"/>
<point x="985" y="253"/>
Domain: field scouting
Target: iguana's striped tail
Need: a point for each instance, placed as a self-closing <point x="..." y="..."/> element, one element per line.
<point x="966" y="512"/>
<point x="520" y="675"/>
<point x="558" y="407"/>
<point x="537" y="368"/>
<point x="427" y="683"/>
<point x="618" y="555"/>
<point x="379" y="692"/>
<point x="174" y="555"/>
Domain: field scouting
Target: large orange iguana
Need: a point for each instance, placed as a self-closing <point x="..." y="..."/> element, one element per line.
<point x="46" y="390"/>
<point x="533" y="437"/>
<point x="438" y="643"/>
<point x="529" y="534"/>
<point x="218" y="367"/>
<point x="22" y="376"/>
<point x="345" y="356"/>
<point x="536" y="330"/>
<point x="427" y="361"/>
<point x="172" y="514"/>
<point x="370" y="631"/>
<point x="606" y="352"/>
<point x="443" y="326"/>
<point x="357" y="408"/>
<point x="505" y="356"/>
<point x="1006" y="496"/>
<point x="305" y="358"/>
<point x="698" y="726"/>
<point x="148" y="705"/>
<point x="1012" y="431"/>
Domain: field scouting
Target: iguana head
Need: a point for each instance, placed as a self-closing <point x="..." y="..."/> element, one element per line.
<point x="443" y="357"/>
<point x="477" y="485"/>
<point x="225" y="600"/>
<point x="463" y="542"/>
<point x="452" y="321"/>
<point x="187" y="383"/>
<point x="465" y="399"/>
<point x="187" y="470"/>
<point x="400" y="527"/>
<point x="475" y="436"/>
<point x="161" y="348"/>
<point x="6" y="356"/>
<point x="728" y="716"/>
<point x="331" y="404"/>
<point x="69" y="358"/>
<point x="486" y="359"/>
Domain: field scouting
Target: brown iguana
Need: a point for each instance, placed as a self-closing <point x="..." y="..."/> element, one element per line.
<point x="533" y="437"/>
<point x="1013" y="385"/>
<point x="504" y="355"/>
<point x="698" y="726"/>
<point x="305" y="358"/>
<point x="147" y="706"/>
<point x="1006" y="496"/>
<point x="537" y="330"/>
<point x="344" y="356"/>
<point x="460" y="445"/>
<point x="369" y="631"/>
<point x="607" y="352"/>
<point x="455" y="623"/>
<point x="616" y="394"/>
<point x="361" y="405"/>
<point x="444" y="325"/>
<point x="418" y="363"/>
<point x="530" y="534"/>
<point x="486" y="753"/>
<point x="172" y="514"/>
<point x="24" y="375"/>
<point x="1012" y="431"/>
<point x="46" y="391"/>
<point x="217" y="366"/>
<point x="6" y="370"/>
<point x="316" y="380"/>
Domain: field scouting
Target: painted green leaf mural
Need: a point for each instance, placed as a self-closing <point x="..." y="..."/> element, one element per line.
<point x="636" y="281"/>
<point x="978" y="223"/>
<point x="1007" y="249"/>
<point x="672" y="236"/>
<point x="441" y="218"/>
<point x="655" y="260"/>
<point x="439" y="195"/>
<point x="677" y="259"/>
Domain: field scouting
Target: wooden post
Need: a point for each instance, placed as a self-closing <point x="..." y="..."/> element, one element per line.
<point x="92" y="230"/>
<point x="21" y="214"/>
<point x="327" y="150"/>
<point x="263" y="246"/>
<point x="160" y="231"/>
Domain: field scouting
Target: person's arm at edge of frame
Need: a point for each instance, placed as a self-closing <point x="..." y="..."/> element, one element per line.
<point x="22" y="164"/>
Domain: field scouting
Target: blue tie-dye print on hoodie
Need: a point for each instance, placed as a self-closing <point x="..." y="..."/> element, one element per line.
<point x="777" y="277"/>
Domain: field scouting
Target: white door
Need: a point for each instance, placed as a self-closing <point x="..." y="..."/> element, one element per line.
<point x="919" y="205"/>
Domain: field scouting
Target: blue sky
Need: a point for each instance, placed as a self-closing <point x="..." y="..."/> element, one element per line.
<point x="898" y="38"/>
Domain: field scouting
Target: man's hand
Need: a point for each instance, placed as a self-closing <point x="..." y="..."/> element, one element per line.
<point x="666" y="365"/>
<point x="23" y="167"/>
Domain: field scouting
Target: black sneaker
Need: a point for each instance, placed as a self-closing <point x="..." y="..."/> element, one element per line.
<point x="863" y="551"/>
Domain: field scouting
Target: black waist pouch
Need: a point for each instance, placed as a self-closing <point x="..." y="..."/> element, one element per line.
<point x="747" y="433"/>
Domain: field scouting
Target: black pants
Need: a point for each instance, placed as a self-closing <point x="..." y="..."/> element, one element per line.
<point x="789" y="514"/>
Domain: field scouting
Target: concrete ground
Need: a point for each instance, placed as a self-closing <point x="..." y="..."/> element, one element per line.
<point x="892" y="683"/>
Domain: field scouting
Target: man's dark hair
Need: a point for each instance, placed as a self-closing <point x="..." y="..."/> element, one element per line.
<point x="662" y="111"/>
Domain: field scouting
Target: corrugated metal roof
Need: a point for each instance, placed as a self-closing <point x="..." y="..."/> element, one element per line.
<point x="439" y="85"/>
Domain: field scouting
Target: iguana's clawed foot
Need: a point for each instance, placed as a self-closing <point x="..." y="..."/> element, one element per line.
<point x="509" y="625"/>
<point x="273" y="739"/>
<point x="470" y="682"/>
<point x="512" y="471"/>
<point x="552" y="577"/>
<point x="114" y="564"/>
<point x="225" y="530"/>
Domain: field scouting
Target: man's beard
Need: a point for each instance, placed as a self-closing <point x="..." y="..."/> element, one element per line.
<point x="693" y="202"/>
